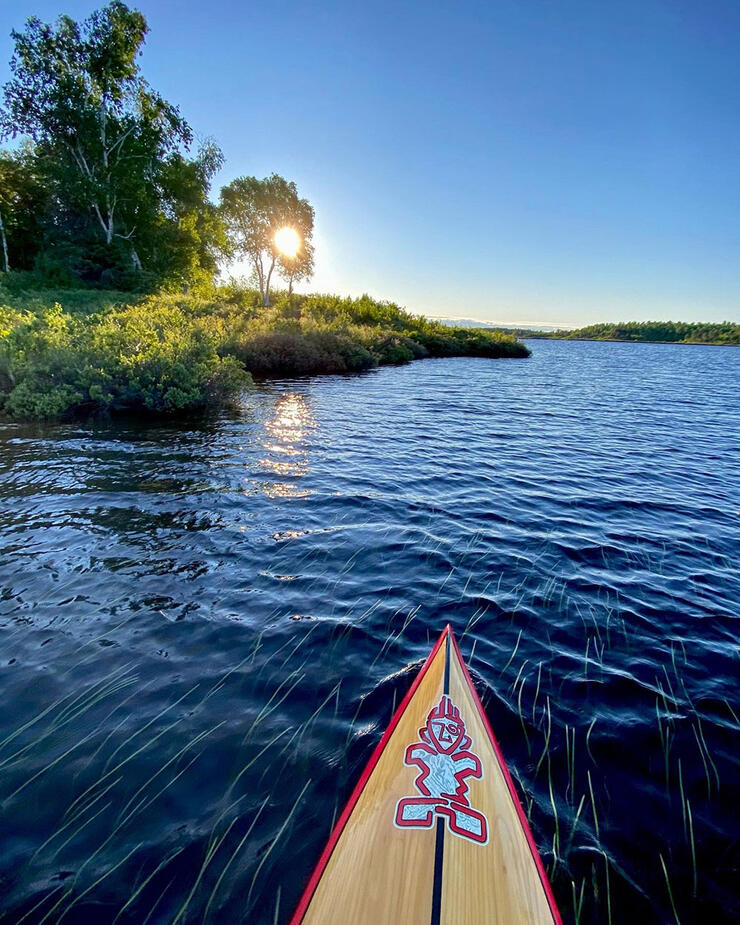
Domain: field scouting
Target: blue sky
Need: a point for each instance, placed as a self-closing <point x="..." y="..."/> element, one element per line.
<point x="514" y="160"/>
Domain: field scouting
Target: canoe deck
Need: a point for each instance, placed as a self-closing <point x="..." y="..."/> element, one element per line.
<point x="434" y="831"/>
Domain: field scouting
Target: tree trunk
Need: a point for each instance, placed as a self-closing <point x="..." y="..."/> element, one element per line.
<point x="290" y="287"/>
<point x="5" y="245"/>
<point x="266" y="296"/>
<point x="135" y="259"/>
<point x="259" y="273"/>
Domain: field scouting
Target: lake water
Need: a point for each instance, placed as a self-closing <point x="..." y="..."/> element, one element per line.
<point x="204" y="628"/>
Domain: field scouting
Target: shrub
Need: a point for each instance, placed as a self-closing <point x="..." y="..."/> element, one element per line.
<point x="387" y="347"/>
<point x="23" y="292"/>
<point x="285" y="354"/>
<point x="52" y="363"/>
<point x="65" y="350"/>
<point x="443" y="341"/>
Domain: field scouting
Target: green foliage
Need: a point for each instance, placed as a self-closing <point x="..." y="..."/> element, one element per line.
<point x="663" y="332"/>
<point x="124" y="206"/>
<point x="157" y="357"/>
<point x="316" y="331"/>
<point x="151" y="356"/>
<point x="300" y="354"/>
<point x="23" y="204"/>
<point x="21" y="291"/>
<point x="69" y="351"/>
<point x="389" y="348"/>
<point x="336" y="310"/>
<point x="676" y="332"/>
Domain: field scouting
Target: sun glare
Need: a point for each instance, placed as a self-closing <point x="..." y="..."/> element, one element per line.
<point x="287" y="241"/>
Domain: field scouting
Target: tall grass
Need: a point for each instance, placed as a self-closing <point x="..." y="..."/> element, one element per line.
<point x="134" y="769"/>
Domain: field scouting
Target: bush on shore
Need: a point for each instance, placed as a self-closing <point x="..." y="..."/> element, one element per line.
<point x="52" y="363"/>
<point x="65" y="351"/>
<point x="285" y="353"/>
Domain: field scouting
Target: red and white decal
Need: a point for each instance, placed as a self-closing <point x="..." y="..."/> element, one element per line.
<point x="445" y="761"/>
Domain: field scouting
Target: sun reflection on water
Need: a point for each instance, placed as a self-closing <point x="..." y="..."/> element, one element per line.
<point x="287" y="454"/>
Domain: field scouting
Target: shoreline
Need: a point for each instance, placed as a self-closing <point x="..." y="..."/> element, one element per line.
<point x="624" y="340"/>
<point x="62" y="355"/>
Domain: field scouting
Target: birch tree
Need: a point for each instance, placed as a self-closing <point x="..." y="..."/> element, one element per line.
<point x="76" y="90"/>
<point x="253" y="211"/>
<point x="299" y="267"/>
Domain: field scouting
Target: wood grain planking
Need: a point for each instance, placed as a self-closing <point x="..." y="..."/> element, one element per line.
<point x="497" y="883"/>
<point x="379" y="874"/>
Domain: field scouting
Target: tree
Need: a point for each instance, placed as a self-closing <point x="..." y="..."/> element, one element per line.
<point x="253" y="211"/>
<point x="112" y="145"/>
<point x="184" y="236"/>
<point x="23" y="202"/>
<point x="299" y="267"/>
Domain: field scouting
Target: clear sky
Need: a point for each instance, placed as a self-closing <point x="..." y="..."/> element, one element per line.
<point x="553" y="161"/>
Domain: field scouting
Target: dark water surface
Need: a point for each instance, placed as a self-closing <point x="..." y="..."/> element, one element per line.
<point x="204" y="628"/>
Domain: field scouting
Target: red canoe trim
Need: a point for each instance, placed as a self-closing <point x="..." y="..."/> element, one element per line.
<point x="356" y="793"/>
<point x="510" y="784"/>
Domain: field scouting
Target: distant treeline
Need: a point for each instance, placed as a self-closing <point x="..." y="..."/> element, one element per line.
<point x="67" y="351"/>
<point x="664" y="332"/>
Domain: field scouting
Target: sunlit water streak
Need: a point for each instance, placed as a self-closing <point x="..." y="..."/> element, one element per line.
<point x="201" y="622"/>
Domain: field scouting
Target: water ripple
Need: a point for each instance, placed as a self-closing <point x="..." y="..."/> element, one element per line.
<point x="197" y="619"/>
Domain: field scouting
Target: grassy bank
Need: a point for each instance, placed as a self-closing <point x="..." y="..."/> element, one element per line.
<point x="72" y="351"/>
